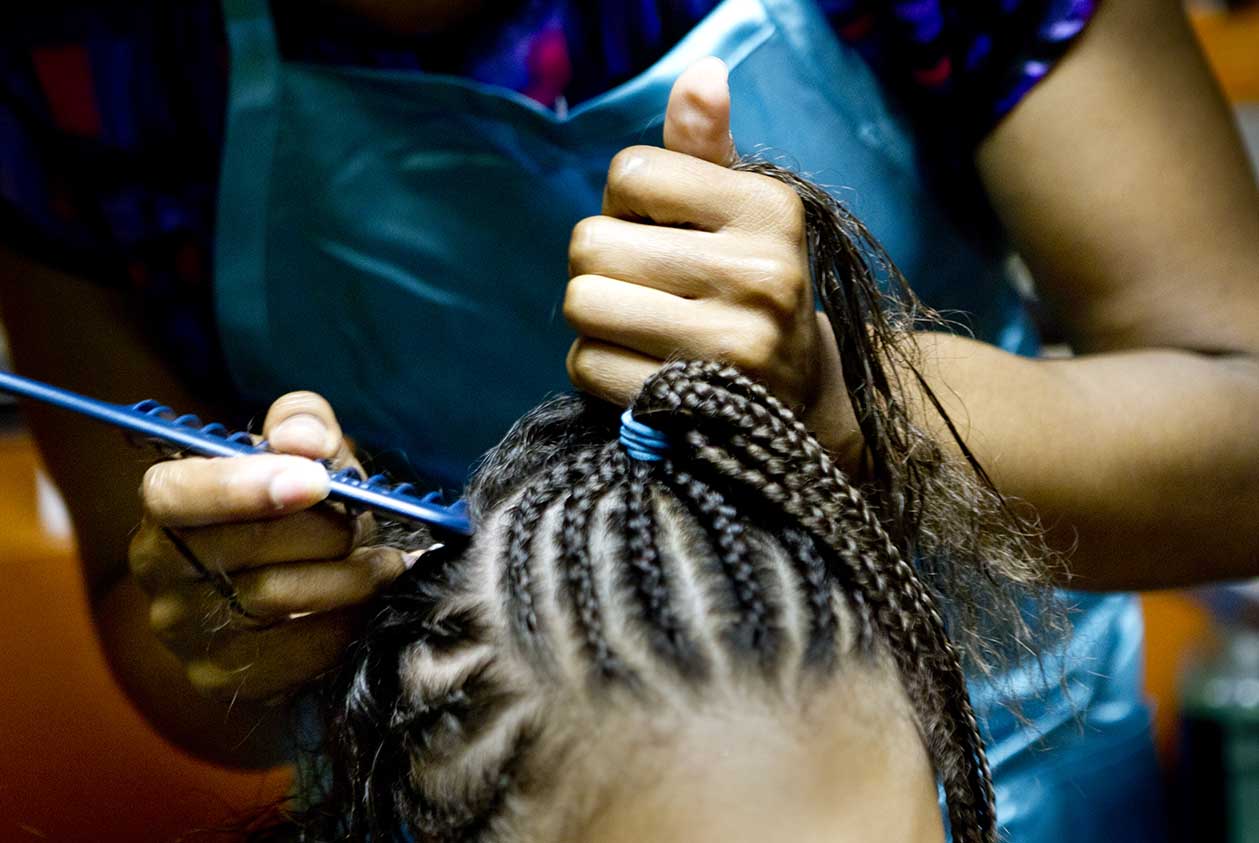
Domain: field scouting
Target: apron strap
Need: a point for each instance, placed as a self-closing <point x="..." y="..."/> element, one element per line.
<point x="249" y="145"/>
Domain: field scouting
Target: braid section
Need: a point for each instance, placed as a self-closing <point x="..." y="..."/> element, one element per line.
<point x="646" y="572"/>
<point x="593" y="471"/>
<point x="815" y="580"/>
<point x="756" y="629"/>
<point x="523" y="522"/>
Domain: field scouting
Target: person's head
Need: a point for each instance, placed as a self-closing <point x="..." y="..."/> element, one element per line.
<point x="722" y="645"/>
<point x="737" y="642"/>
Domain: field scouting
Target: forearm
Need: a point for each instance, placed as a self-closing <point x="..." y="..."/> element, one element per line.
<point x="1142" y="465"/>
<point x="99" y="473"/>
<point x="237" y="735"/>
<point x="1122" y="183"/>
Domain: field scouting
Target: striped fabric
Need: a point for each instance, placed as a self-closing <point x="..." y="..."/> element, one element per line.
<point x="111" y="115"/>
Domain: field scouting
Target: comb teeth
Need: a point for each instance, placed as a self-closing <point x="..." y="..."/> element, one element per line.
<point x="453" y="517"/>
<point x="185" y="432"/>
<point x="347" y="475"/>
<point x="157" y="410"/>
<point x="395" y="500"/>
<point x="149" y="407"/>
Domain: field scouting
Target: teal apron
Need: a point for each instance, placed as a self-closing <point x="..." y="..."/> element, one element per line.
<point x="397" y="241"/>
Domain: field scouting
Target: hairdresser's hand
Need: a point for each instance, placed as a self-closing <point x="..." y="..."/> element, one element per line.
<point x="298" y="572"/>
<point x="692" y="259"/>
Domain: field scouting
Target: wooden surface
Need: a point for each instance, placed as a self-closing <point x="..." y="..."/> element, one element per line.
<point x="76" y="762"/>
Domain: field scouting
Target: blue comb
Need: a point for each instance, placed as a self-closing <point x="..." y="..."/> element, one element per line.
<point x="186" y="432"/>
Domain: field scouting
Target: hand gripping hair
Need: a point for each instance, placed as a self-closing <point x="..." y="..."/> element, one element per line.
<point x="746" y="563"/>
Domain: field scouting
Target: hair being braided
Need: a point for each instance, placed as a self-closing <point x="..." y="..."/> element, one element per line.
<point x="748" y="545"/>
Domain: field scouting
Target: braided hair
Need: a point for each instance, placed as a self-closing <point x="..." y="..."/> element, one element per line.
<point x="747" y="555"/>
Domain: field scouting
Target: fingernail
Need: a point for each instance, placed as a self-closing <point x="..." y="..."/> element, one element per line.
<point x="409" y="559"/>
<point x="718" y="65"/>
<point x="301" y="433"/>
<point x="303" y="482"/>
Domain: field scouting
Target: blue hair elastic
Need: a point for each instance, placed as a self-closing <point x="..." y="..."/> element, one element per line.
<point x="641" y="442"/>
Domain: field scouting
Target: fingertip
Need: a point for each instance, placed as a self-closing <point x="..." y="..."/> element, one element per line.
<point x="390" y="564"/>
<point x="299" y="484"/>
<point x="711" y="69"/>
<point x="697" y="120"/>
<point x="303" y="422"/>
<point x="409" y="559"/>
<point x="304" y="434"/>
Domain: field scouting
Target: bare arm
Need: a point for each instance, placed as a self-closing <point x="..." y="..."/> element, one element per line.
<point x="1123" y="182"/>
<point x="84" y="337"/>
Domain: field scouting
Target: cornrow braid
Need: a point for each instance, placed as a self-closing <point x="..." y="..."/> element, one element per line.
<point x="815" y="577"/>
<point x="754" y="630"/>
<point x="593" y="472"/>
<point x="647" y="573"/>
<point x="469" y="817"/>
<point x="522" y="523"/>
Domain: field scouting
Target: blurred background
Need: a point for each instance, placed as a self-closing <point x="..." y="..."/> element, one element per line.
<point x="77" y="763"/>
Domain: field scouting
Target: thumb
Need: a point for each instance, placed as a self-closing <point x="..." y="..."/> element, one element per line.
<point x="303" y="423"/>
<point x="697" y="120"/>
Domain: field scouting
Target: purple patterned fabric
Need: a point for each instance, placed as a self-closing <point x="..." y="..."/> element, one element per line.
<point x="111" y="117"/>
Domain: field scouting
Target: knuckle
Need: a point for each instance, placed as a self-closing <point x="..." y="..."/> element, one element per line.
<point x="774" y="286"/>
<point x="584" y="243"/>
<point x="757" y="349"/>
<point x="579" y="364"/>
<point x="792" y="295"/>
<point x="577" y="301"/>
<point x="626" y="167"/>
<point x="144" y="555"/>
<point x="781" y="207"/>
<point x="787" y="201"/>
<point x="384" y="565"/>
<point x="158" y="485"/>
<point x="263" y="552"/>
<point x="794" y="222"/>
<point x="265" y="596"/>
<point x="356" y="532"/>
